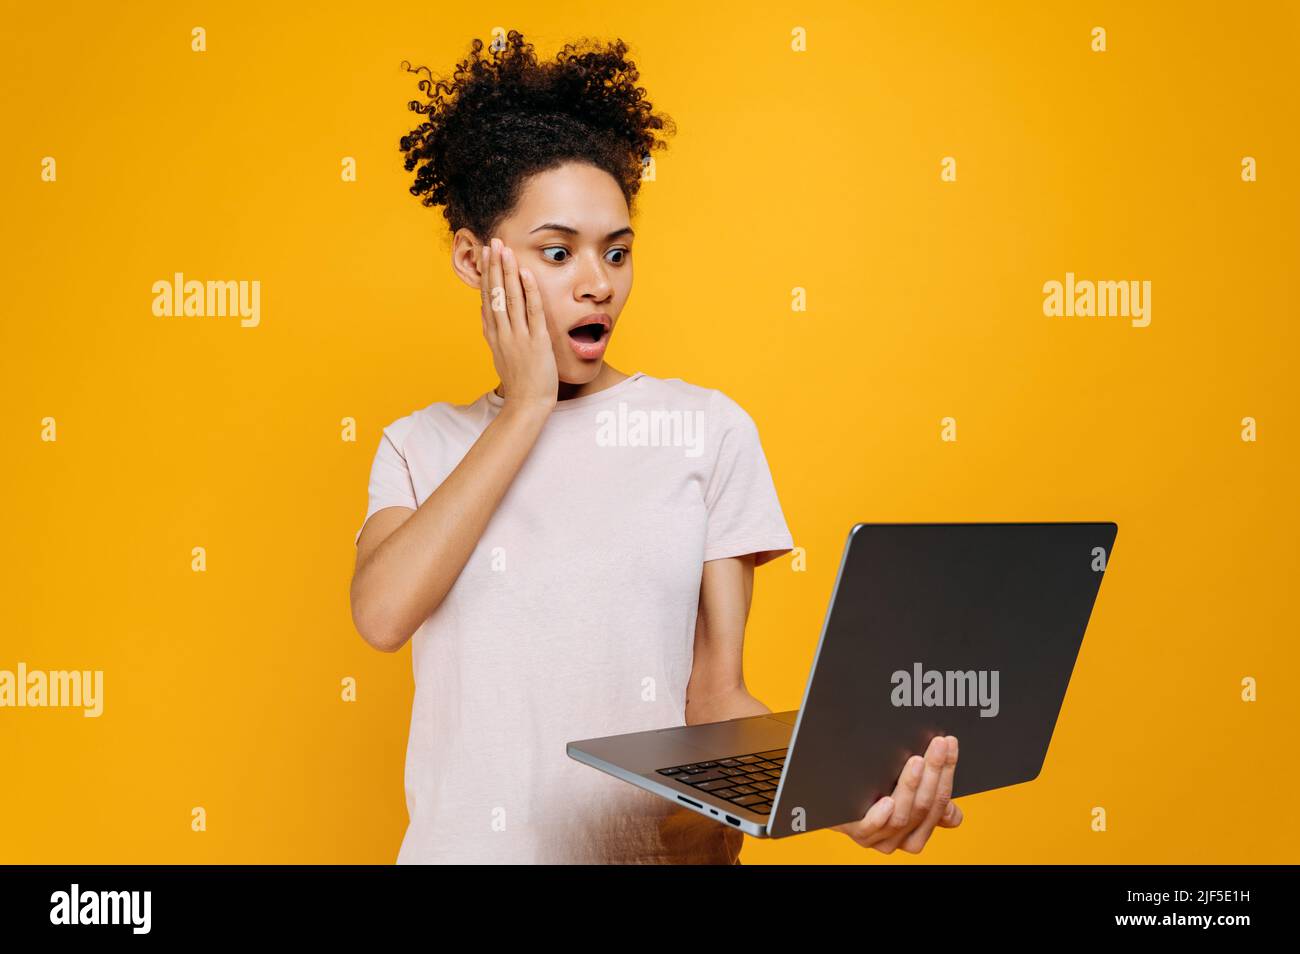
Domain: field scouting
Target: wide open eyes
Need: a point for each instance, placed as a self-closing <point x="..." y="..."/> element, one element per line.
<point x="621" y="252"/>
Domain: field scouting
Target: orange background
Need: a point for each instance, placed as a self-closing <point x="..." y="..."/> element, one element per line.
<point x="816" y="169"/>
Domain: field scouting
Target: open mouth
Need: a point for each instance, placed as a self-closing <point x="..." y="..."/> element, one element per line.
<point x="590" y="333"/>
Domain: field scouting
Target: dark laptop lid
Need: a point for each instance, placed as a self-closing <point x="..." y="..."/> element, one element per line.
<point x="931" y="625"/>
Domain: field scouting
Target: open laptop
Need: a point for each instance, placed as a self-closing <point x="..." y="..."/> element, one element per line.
<point x="965" y="629"/>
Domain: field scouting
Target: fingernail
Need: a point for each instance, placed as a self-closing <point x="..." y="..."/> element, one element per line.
<point x="888" y="803"/>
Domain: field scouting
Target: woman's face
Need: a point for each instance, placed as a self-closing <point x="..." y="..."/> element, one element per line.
<point x="571" y="230"/>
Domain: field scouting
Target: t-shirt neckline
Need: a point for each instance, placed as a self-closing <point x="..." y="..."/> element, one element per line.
<point x="571" y="404"/>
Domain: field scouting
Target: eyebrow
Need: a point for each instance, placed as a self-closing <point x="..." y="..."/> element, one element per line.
<point x="570" y="230"/>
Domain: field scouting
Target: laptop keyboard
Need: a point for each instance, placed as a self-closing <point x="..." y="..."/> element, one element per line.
<point x="745" y="780"/>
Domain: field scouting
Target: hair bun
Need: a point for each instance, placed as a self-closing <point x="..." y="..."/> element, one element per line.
<point x="502" y="117"/>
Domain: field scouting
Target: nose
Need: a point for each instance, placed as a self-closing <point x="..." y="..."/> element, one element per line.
<point x="593" y="280"/>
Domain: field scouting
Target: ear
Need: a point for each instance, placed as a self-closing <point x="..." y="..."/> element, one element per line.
<point x="465" y="248"/>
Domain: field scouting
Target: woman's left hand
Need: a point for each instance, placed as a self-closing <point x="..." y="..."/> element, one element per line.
<point x="922" y="800"/>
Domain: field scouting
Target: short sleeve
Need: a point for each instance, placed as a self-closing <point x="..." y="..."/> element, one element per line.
<point x="744" y="514"/>
<point x="390" y="479"/>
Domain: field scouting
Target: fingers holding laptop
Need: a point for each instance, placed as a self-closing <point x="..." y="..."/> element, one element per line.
<point x="921" y="801"/>
<point x="933" y="797"/>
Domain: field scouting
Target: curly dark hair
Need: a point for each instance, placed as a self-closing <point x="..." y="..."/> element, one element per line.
<point x="504" y="118"/>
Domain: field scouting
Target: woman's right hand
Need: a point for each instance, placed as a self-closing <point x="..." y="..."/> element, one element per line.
<point x="409" y="559"/>
<point x="514" y="324"/>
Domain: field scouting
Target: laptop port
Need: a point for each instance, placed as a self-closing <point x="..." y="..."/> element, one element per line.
<point x="734" y="821"/>
<point x="683" y="798"/>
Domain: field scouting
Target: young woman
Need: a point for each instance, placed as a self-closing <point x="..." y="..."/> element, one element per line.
<point x="573" y="552"/>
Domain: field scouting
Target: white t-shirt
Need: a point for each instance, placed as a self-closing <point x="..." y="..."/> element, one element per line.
<point x="574" y="618"/>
